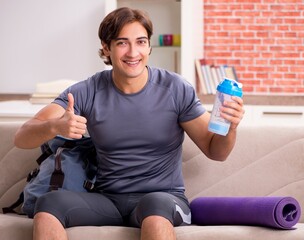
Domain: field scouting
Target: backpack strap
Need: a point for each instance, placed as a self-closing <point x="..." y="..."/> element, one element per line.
<point x="47" y="151"/>
<point x="57" y="175"/>
<point x="16" y="204"/>
<point x="91" y="171"/>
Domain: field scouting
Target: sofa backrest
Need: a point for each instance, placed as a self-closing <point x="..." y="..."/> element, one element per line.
<point x="266" y="161"/>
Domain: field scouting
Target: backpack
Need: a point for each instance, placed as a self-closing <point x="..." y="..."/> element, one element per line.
<point x="65" y="164"/>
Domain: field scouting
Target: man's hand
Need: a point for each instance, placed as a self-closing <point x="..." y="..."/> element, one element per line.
<point x="233" y="111"/>
<point x="71" y="125"/>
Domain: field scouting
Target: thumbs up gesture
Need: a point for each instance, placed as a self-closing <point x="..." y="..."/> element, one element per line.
<point x="73" y="126"/>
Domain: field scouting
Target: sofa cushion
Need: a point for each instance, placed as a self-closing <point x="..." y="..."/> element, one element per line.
<point x="14" y="227"/>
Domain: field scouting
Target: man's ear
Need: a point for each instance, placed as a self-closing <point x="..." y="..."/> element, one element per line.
<point x="150" y="51"/>
<point x="105" y="49"/>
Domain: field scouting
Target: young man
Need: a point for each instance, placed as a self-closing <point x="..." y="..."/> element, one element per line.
<point x="136" y="116"/>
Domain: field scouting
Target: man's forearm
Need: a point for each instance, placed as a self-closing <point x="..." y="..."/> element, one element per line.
<point x="221" y="146"/>
<point x="33" y="133"/>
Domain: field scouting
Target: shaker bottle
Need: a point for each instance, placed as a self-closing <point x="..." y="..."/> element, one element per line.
<point x="225" y="90"/>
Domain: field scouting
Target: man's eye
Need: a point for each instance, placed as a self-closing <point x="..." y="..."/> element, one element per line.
<point x="142" y="42"/>
<point x="121" y="43"/>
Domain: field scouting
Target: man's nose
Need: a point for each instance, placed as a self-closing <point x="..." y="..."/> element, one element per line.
<point x="133" y="50"/>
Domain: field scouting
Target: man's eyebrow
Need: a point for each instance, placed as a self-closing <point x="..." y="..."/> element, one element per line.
<point x="142" y="38"/>
<point x="126" y="39"/>
<point x="118" y="39"/>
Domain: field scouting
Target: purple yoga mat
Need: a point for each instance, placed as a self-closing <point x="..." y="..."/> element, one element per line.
<point x="275" y="212"/>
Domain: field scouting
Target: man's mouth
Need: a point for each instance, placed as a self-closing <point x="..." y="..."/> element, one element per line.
<point x="132" y="62"/>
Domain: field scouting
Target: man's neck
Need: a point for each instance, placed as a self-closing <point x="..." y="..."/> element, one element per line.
<point x="131" y="85"/>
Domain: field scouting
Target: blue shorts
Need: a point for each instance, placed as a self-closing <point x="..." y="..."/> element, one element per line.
<point x="100" y="209"/>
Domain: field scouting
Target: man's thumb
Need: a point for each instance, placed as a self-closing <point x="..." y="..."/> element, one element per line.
<point x="70" y="106"/>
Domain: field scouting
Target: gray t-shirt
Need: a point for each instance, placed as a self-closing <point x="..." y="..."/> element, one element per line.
<point x="137" y="136"/>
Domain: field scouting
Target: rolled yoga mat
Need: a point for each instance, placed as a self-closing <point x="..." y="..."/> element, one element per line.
<point x="275" y="212"/>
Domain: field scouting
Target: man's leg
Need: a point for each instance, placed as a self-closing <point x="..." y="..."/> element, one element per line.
<point x="157" y="213"/>
<point x="57" y="210"/>
<point x="48" y="227"/>
<point x="157" y="228"/>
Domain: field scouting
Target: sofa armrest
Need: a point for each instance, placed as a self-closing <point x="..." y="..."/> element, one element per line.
<point x="15" y="164"/>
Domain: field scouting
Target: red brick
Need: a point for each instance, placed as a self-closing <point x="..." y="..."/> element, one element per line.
<point x="252" y="82"/>
<point x="276" y="89"/>
<point x="261" y="28"/>
<point x="247" y="62"/>
<point x="297" y="28"/>
<point x="287" y="14"/>
<point x="262" y="34"/>
<point x="276" y="21"/>
<point x="246" y="54"/>
<point x="247" y="6"/>
<point x="267" y="54"/>
<point x="299" y="90"/>
<point x="235" y="34"/>
<point x="264" y="39"/>
<point x="248" y="34"/>
<point x="248" y="41"/>
<point x="247" y="75"/>
<point x="235" y="48"/>
<point x="261" y="62"/>
<point x="276" y="61"/>
<point x="287" y="55"/>
<point x="289" y="41"/>
<point x="245" y="47"/>
<point x="268" y="82"/>
<point x="276" y="34"/>
<point x="275" y="75"/>
<point x="290" y="34"/>
<point x="282" y="68"/>
<point x="261" y="48"/>
<point x="290" y="76"/>
<point x="248" y="89"/>
<point x="262" y="7"/>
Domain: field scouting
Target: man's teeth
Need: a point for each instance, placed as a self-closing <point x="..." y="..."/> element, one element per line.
<point x="132" y="63"/>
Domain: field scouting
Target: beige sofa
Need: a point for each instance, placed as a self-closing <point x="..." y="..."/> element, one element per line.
<point x="266" y="161"/>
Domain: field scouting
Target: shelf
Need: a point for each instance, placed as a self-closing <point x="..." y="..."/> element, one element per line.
<point x="269" y="100"/>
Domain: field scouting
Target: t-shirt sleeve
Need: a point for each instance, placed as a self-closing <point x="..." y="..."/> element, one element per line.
<point x="80" y="94"/>
<point x="188" y="104"/>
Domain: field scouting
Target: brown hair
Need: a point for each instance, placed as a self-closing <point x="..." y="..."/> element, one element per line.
<point x="112" y="24"/>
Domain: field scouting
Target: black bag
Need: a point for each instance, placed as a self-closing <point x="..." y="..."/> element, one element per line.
<point x="65" y="164"/>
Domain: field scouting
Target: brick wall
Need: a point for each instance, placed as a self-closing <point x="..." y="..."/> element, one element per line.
<point x="263" y="39"/>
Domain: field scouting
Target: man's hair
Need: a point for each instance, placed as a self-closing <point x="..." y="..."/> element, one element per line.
<point x="112" y="24"/>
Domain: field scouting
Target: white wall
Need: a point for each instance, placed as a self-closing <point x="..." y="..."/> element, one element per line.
<point x="45" y="40"/>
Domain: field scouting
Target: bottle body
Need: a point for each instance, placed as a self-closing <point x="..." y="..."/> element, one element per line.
<point x="225" y="90"/>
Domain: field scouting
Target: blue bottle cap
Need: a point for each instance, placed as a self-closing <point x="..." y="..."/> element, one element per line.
<point x="230" y="87"/>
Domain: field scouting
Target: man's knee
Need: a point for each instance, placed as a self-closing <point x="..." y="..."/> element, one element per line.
<point x="157" y="227"/>
<point x="52" y="203"/>
<point x="46" y="225"/>
<point x="44" y="218"/>
<point x="159" y="204"/>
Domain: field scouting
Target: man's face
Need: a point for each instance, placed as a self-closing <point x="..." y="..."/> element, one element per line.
<point x="129" y="53"/>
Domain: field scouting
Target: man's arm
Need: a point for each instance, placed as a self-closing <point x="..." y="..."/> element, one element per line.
<point x="215" y="146"/>
<point x="50" y="121"/>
